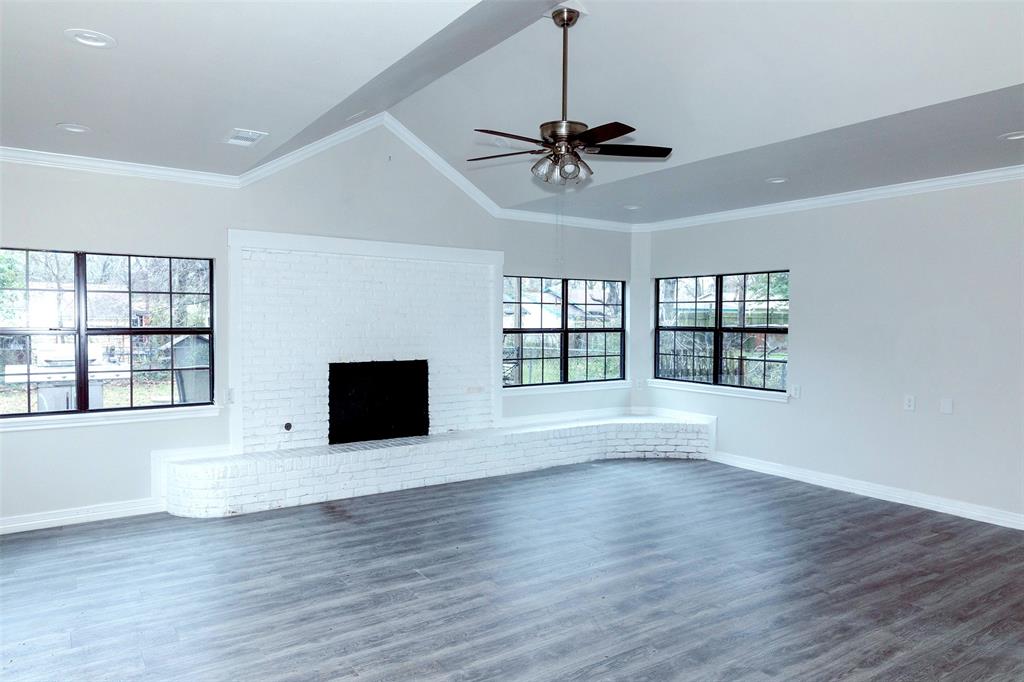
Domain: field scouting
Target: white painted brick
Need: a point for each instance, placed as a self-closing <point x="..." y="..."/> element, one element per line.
<point x="302" y="311"/>
<point x="282" y="478"/>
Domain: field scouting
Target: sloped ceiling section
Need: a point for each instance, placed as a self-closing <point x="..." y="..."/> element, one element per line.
<point x="834" y="96"/>
<point x="482" y="27"/>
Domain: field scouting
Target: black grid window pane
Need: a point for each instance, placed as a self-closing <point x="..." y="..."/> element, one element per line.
<point x="724" y="329"/>
<point x="562" y="330"/>
<point x="190" y="275"/>
<point x="37" y="290"/>
<point x="37" y="373"/>
<point x="531" y="358"/>
<point x="145" y="339"/>
<point x="38" y="343"/>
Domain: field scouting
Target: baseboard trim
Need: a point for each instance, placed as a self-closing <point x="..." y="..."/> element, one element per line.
<point x="967" y="510"/>
<point x="73" y="515"/>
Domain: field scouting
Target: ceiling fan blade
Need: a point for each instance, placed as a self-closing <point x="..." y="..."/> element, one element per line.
<point x="511" y="136"/>
<point x="498" y="156"/>
<point x="608" y="131"/>
<point x="638" y="150"/>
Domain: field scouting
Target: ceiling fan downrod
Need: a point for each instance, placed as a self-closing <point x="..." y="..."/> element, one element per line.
<point x="563" y="129"/>
<point x="564" y="19"/>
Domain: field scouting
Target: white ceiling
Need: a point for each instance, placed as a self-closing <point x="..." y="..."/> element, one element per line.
<point x="945" y="139"/>
<point x="184" y="74"/>
<point x="833" y="95"/>
<point x="714" y="78"/>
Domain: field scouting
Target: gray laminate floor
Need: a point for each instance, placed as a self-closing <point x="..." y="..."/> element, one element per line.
<point x="632" y="570"/>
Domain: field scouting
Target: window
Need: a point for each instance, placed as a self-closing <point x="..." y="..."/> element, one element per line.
<point x="86" y="332"/>
<point x="730" y="330"/>
<point x="559" y="331"/>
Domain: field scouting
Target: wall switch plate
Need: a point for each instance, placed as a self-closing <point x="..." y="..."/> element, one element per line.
<point x="946" y="406"/>
<point x="794" y="391"/>
<point x="909" y="403"/>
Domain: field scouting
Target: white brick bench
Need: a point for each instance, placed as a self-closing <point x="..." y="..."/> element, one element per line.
<point x="239" y="484"/>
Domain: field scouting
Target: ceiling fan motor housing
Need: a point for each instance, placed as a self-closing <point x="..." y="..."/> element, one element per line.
<point x="553" y="131"/>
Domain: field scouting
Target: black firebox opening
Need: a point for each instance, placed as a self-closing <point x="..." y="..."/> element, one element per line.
<point x="376" y="400"/>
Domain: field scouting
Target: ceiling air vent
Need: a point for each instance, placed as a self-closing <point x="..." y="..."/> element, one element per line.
<point x="244" y="138"/>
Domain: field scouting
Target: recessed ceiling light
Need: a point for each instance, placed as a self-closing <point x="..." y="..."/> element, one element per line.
<point x="74" y="128"/>
<point x="776" y="181"/>
<point x="1015" y="135"/>
<point x="355" y="116"/>
<point x="84" y="36"/>
<point x="631" y="207"/>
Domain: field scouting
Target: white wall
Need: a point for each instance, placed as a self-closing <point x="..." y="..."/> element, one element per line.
<point x="938" y="275"/>
<point x="372" y="187"/>
<point x="916" y="295"/>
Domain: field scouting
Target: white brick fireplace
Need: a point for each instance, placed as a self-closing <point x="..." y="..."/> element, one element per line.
<point x="300" y="303"/>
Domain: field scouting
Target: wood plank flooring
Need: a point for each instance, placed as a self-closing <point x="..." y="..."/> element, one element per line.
<point x="614" y="570"/>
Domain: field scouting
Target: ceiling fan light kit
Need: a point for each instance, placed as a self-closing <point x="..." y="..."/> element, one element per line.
<point x="562" y="169"/>
<point x="563" y="141"/>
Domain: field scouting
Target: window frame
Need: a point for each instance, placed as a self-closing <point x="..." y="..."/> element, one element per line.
<point x="564" y="330"/>
<point x="82" y="332"/>
<point x="718" y="330"/>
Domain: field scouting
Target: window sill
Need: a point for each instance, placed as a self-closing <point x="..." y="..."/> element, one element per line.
<point x="60" y="421"/>
<point x="733" y="392"/>
<point x="616" y="385"/>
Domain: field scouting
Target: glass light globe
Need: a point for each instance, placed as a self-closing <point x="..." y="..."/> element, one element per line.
<point x="585" y="171"/>
<point x="569" y="166"/>
<point x="543" y="167"/>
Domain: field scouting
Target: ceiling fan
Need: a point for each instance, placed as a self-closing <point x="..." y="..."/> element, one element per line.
<point x="563" y="141"/>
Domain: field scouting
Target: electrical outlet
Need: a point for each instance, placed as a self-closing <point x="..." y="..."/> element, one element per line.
<point x="946" y="406"/>
<point x="909" y="403"/>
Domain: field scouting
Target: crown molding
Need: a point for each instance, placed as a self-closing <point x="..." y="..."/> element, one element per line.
<point x="107" y="167"/>
<point x="393" y="125"/>
<point x="265" y="170"/>
<point x="476" y="194"/>
<point x="857" y="196"/>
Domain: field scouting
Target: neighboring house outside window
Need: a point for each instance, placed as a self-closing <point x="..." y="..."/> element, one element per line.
<point x="560" y="331"/>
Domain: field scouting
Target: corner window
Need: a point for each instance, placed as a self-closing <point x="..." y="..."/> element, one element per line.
<point x="559" y="331"/>
<point x="82" y="332"/>
<point x="729" y="330"/>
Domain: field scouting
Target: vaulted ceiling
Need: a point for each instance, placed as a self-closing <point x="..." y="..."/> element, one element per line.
<point x="834" y="96"/>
